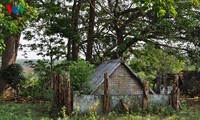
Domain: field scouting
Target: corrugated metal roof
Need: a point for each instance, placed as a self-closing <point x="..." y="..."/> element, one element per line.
<point x="108" y="67"/>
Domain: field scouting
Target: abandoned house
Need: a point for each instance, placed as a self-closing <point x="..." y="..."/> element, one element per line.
<point x="126" y="91"/>
<point x="115" y="88"/>
<point x="122" y="80"/>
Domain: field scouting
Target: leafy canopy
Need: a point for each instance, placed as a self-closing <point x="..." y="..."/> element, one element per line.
<point x="150" y="60"/>
<point x="11" y="25"/>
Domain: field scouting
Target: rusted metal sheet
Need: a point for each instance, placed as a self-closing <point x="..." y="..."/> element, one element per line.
<point x="105" y="67"/>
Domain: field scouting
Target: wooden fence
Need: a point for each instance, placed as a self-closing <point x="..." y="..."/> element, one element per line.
<point x="62" y="92"/>
<point x="63" y="96"/>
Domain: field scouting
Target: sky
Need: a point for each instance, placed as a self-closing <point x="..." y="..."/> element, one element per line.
<point x="30" y="54"/>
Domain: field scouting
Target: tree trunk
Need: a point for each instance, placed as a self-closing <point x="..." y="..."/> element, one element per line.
<point x="120" y="39"/>
<point x="90" y="38"/>
<point x="69" y="49"/>
<point x="75" y="16"/>
<point x="9" y="55"/>
<point x="119" y="33"/>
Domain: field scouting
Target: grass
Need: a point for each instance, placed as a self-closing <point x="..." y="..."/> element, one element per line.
<point x="40" y="111"/>
<point x="16" y="111"/>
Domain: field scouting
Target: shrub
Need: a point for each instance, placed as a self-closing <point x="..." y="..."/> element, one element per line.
<point x="80" y="75"/>
<point x="13" y="75"/>
<point x="33" y="88"/>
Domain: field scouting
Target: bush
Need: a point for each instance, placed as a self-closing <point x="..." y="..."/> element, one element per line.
<point x="13" y="75"/>
<point x="80" y="75"/>
<point x="33" y="88"/>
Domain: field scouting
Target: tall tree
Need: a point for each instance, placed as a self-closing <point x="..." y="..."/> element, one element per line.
<point x="127" y="21"/>
<point x="90" y="34"/>
<point x="51" y="40"/>
<point x="75" y="18"/>
<point x="11" y="26"/>
<point x="122" y="25"/>
<point x="150" y="60"/>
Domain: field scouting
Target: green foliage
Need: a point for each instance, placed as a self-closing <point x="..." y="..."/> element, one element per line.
<point x="14" y="24"/>
<point x="80" y="75"/>
<point x="36" y="83"/>
<point x="16" y="111"/>
<point x="10" y="111"/>
<point x="37" y="92"/>
<point x="35" y="89"/>
<point x="13" y="75"/>
<point x="150" y="60"/>
<point x="42" y="69"/>
<point x="55" y="33"/>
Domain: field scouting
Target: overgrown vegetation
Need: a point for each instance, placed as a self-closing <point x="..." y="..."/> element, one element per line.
<point x="80" y="75"/>
<point x="17" y="111"/>
<point x="38" y="83"/>
<point x="100" y="32"/>
<point x="150" y="60"/>
<point x="32" y="88"/>
<point x="10" y="111"/>
<point x="14" y="76"/>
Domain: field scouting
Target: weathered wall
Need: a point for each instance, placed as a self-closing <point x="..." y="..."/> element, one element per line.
<point x="87" y="103"/>
<point x="121" y="82"/>
<point x="94" y="103"/>
<point x="159" y="99"/>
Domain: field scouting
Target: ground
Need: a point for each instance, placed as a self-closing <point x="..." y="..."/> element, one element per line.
<point x="29" y="109"/>
<point x="193" y="103"/>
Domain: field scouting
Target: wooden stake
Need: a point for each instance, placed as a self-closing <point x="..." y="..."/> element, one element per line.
<point x="176" y="94"/>
<point x="145" y="95"/>
<point x="106" y="94"/>
<point x="68" y="95"/>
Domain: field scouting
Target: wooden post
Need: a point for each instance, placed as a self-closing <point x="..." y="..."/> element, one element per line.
<point x="61" y="91"/>
<point x="106" y="94"/>
<point x="176" y="94"/>
<point x="145" y="95"/>
<point x="164" y="83"/>
<point x="68" y="99"/>
<point x="54" y="81"/>
<point x="158" y="82"/>
<point x="58" y="91"/>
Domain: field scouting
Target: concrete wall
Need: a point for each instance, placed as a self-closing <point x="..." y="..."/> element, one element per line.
<point x="87" y="103"/>
<point x="94" y="103"/>
<point x="159" y="99"/>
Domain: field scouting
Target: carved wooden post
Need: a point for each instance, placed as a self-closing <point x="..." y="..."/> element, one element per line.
<point x="145" y="95"/>
<point x="68" y="99"/>
<point x="176" y="94"/>
<point x="106" y="94"/>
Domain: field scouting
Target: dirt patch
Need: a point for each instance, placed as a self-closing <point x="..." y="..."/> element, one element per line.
<point x="21" y="99"/>
<point x="193" y="103"/>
